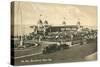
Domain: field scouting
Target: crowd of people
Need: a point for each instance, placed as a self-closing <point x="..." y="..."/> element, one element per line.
<point x="58" y="36"/>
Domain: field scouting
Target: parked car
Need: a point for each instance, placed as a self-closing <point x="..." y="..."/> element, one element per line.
<point x="54" y="47"/>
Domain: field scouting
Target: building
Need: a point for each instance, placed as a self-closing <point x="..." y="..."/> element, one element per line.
<point x="62" y="28"/>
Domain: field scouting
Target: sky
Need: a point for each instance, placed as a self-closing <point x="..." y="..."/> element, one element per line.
<point x="28" y="14"/>
<point x="54" y="13"/>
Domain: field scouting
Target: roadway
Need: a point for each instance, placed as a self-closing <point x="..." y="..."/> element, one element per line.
<point x="73" y="54"/>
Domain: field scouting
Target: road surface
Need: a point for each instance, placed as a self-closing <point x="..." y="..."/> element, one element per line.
<point x="73" y="54"/>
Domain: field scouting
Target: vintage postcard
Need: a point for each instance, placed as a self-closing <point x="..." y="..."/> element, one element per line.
<point x="44" y="33"/>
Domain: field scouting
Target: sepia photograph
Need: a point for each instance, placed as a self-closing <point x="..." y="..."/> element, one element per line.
<point x="45" y="33"/>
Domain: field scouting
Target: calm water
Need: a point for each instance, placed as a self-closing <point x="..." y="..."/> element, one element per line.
<point x="22" y="29"/>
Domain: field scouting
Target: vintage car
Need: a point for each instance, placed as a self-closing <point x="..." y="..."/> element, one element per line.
<point x="54" y="47"/>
